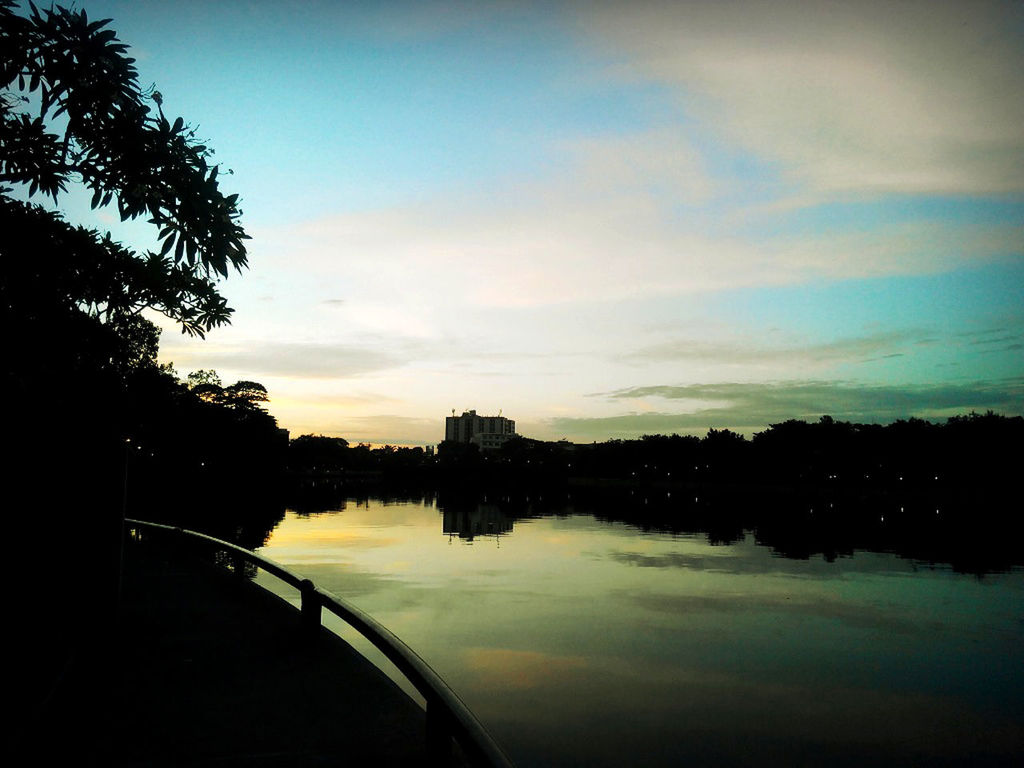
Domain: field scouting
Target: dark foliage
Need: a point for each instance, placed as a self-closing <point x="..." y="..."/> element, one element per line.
<point x="72" y="110"/>
<point x="935" y="493"/>
<point x="970" y="454"/>
<point x="96" y="427"/>
<point x="214" y="465"/>
<point x="316" y="453"/>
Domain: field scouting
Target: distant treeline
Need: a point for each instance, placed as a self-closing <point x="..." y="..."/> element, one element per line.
<point x="970" y="535"/>
<point x="202" y="454"/>
<point x="932" y="492"/>
<point x="972" y="452"/>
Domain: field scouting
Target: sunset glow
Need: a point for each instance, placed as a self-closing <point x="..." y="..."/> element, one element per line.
<point x="606" y="218"/>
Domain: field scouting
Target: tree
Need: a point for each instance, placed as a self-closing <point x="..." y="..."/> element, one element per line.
<point x="206" y="385"/>
<point x="318" y="453"/>
<point x="72" y="110"/>
<point x="242" y="395"/>
<point x="246" y="395"/>
<point x="204" y="376"/>
<point x="76" y="345"/>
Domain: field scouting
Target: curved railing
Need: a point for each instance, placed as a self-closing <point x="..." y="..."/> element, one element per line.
<point x="447" y="716"/>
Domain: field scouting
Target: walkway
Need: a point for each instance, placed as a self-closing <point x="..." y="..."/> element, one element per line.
<point x="209" y="669"/>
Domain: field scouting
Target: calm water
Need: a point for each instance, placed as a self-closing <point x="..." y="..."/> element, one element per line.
<point x="580" y="642"/>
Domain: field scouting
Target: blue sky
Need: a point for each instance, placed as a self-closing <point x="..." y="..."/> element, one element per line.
<point x="607" y="218"/>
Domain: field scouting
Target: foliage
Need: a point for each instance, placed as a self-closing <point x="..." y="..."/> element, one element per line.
<point x="72" y="110"/>
<point x="242" y="395"/>
<point x="317" y="453"/>
<point x="976" y="451"/>
<point x="245" y="395"/>
<point x="203" y="376"/>
<point x="80" y="356"/>
<point x="192" y="456"/>
<point x="54" y="270"/>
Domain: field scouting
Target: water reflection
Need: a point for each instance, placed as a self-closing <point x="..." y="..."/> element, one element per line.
<point x="958" y="533"/>
<point x="588" y="640"/>
<point x="472" y="522"/>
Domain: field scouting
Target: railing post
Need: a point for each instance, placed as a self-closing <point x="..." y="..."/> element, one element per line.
<point x="447" y="718"/>
<point x="310" y="607"/>
<point x="238" y="564"/>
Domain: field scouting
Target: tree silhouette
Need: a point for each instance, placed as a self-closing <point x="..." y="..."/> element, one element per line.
<point x="245" y="395"/>
<point x="72" y="110"/>
<point x="80" y="373"/>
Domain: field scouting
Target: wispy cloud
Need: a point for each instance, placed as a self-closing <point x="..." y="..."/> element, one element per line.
<point x="756" y="405"/>
<point x="662" y="182"/>
<point x="389" y="429"/>
<point x="505" y="669"/>
<point x="861" y="98"/>
<point x="995" y="341"/>
<point x="753" y="561"/>
<point x="286" y="359"/>
<point x="558" y="241"/>
<point x="849" y="612"/>
<point x="852" y="349"/>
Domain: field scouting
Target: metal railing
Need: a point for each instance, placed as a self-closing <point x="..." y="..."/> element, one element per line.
<point x="447" y="717"/>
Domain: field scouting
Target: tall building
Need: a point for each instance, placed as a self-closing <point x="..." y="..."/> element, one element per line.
<point x="489" y="432"/>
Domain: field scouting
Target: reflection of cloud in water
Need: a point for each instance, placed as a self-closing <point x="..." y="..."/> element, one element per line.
<point x="903" y="723"/>
<point x="507" y="669"/>
<point x="875" y="617"/>
<point x="723" y="718"/>
<point x="751" y="558"/>
<point x="345" y="582"/>
<point x="296" y="545"/>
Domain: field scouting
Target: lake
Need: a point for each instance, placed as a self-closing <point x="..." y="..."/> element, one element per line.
<point x="582" y="641"/>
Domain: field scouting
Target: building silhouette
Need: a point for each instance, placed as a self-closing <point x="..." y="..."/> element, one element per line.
<point x="488" y="432"/>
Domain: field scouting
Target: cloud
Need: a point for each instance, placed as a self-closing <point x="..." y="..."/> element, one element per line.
<point x="862" y="348"/>
<point x="756" y="405"/>
<point x="995" y="341"/>
<point x="388" y="429"/>
<point x="505" y="669"/>
<point x="760" y="560"/>
<point x="596" y="232"/>
<point x="288" y="359"/>
<point x="866" y="616"/>
<point x="659" y="162"/>
<point x="843" y="98"/>
<point x="593" y="228"/>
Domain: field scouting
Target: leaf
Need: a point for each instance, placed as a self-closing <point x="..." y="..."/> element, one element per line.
<point x="96" y="196"/>
<point x="178" y="123"/>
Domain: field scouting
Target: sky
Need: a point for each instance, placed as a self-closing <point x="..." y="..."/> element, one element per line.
<point x="605" y="219"/>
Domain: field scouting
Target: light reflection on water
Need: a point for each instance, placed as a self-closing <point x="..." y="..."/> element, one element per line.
<point x="581" y="642"/>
